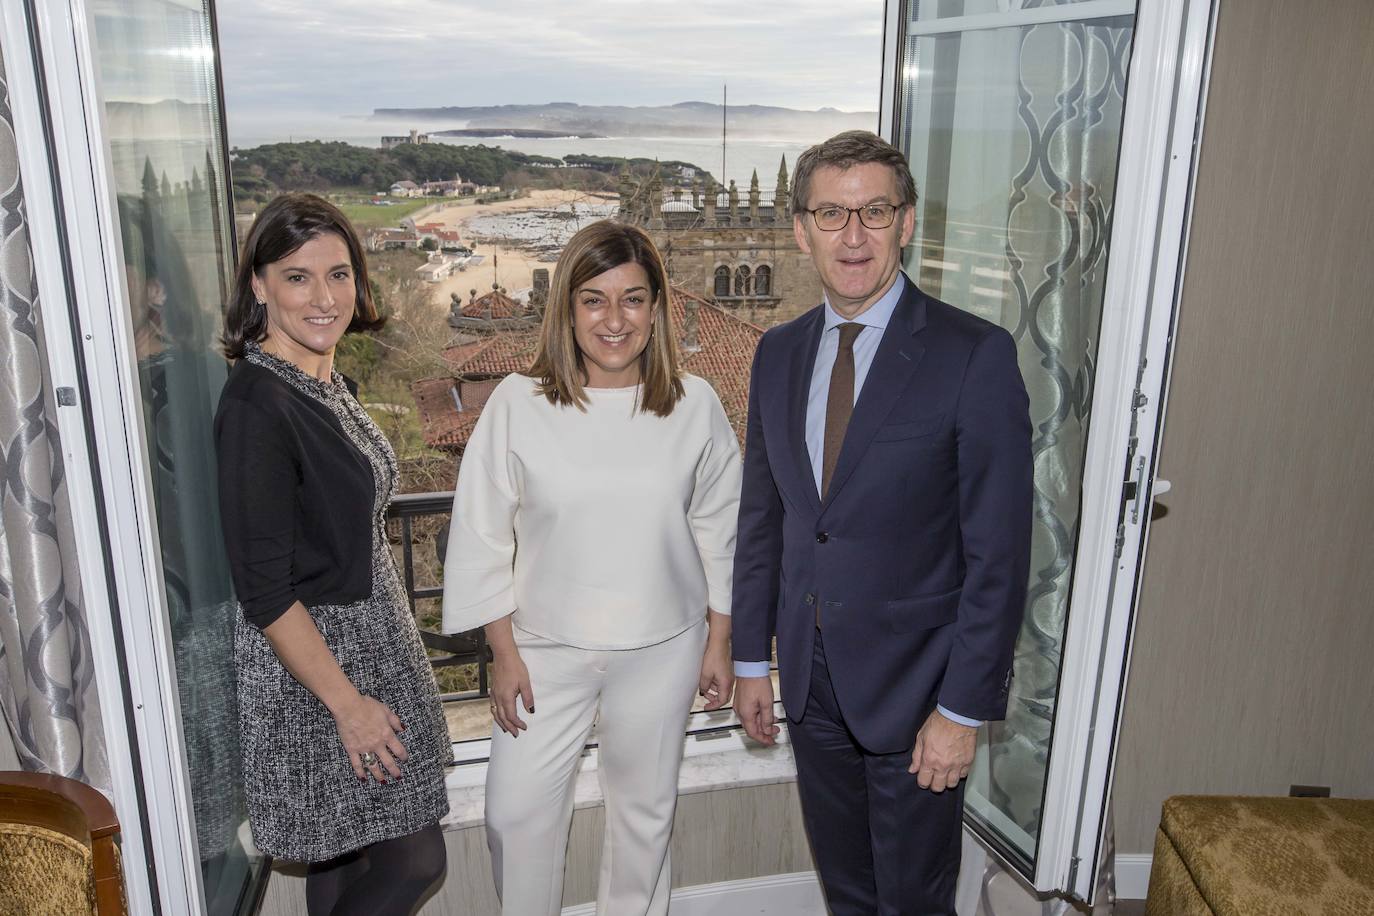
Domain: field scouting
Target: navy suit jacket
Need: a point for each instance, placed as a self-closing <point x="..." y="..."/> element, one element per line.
<point x="918" y="557"/>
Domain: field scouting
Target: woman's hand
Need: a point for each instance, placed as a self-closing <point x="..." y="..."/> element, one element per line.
<point x="510" y="679"/>
<point x="717" y="669"/>
<point x="510" y="682"/>
<point x="368" y="726"/>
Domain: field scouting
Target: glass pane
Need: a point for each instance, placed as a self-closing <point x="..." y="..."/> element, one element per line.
<point x="928" y="10"/>
<point x="157" y="71"/>
<point x="1012" y="135"/>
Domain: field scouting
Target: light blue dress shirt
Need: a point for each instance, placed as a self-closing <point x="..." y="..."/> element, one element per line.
<point x="874" y="320"/>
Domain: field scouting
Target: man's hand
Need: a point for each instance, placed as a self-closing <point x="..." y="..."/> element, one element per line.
<point x="754" y="706"/>
<point x="943" y="752"/>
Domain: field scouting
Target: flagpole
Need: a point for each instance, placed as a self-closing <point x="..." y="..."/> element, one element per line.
<point x="724" y="96"/>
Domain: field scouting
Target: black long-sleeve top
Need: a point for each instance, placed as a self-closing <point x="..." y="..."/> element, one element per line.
<point x="295" y="495"/>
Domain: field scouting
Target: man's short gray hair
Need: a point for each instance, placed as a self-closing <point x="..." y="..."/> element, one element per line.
<point x="846" y="150"/>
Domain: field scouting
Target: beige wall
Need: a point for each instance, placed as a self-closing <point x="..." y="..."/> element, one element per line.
<point x="718" y="836"/>
<point x="1252" y="667"/>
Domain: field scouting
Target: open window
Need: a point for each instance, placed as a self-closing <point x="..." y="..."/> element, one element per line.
<point x="1052" y="149"/>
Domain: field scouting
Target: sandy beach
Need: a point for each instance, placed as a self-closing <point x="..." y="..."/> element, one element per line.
<point x="506" y="263"/>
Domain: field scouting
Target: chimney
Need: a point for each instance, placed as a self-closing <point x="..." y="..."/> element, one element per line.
<point x="626" y="193"/>
<point x="691" y="326"/>
<point x="539" y="296"/>
<point x="656" y="203"/>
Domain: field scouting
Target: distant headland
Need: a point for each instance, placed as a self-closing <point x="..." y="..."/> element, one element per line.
<point x="685" y="119"/>
<point x="517" y="132"/>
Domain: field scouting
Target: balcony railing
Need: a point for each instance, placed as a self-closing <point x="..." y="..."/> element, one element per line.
<point x="468" y="648"/>
<point x="468" y="722"/>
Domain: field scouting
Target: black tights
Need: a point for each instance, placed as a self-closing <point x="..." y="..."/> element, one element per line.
<point x="384" y="879"/>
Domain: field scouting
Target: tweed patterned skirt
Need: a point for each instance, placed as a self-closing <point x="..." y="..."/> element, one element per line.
<point x="304" y="802"/>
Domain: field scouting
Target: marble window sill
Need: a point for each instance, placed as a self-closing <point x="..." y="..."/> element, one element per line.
<point x="721" y="758"/>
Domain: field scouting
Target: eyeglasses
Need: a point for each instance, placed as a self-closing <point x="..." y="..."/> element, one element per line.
<point x="873" y="216"/>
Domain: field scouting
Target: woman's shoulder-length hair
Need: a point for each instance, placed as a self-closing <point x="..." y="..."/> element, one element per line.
<point x="559" y="366"/>
<point x="286" y="223"/>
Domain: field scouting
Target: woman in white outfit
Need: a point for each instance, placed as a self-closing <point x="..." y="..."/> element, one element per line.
<point x="617" y="477"/>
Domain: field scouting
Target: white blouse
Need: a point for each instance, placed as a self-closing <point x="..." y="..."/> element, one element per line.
<point x="625" y="521"/>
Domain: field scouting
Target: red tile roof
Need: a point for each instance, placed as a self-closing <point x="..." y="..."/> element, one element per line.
<point x="723" y="355"/>
<point x="444" y="425"/>
<point x="461" y="353"/>
<point x="501" y="306"/>
<point x="725" y="351"/>
<point x="500" y="355"/>
<point x="393" y="233"/>
<point x="475" y="394"/>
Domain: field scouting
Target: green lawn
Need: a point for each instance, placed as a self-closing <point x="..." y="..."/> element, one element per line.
<point x="366" y="216"/>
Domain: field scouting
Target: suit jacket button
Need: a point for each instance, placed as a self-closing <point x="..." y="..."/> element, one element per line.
<point x="822" y="537"/>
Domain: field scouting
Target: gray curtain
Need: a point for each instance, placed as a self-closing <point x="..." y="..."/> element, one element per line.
<point x="47" y="685"/>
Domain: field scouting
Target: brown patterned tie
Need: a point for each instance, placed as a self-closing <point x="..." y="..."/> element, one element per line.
<point x="839" y="402"/>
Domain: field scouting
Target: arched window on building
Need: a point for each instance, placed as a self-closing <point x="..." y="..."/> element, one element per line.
<point x="742" y="285"/>
<point x="722" y="281"/>
<point x="763" y="281"/>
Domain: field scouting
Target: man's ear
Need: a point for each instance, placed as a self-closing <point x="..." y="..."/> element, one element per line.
<point x="908" y="223"/>
<point x="799" y="229"/>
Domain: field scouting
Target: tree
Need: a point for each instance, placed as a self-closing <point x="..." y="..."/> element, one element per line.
<point x="149" y="179"/>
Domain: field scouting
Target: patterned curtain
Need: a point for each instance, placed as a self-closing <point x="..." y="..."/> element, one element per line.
<point x="1071" y="92"/>
<point x="47" y="687"/>
<point x="1014" y="142"/>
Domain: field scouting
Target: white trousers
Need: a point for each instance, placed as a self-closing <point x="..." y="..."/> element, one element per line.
<point x="643" y="697"/>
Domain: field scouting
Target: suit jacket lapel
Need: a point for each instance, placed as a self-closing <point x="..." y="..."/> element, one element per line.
<point x="799" y="386"/>
<point x="899" y="353"/>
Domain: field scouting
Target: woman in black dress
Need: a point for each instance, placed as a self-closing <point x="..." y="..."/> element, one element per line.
<point x="344" y="741"/>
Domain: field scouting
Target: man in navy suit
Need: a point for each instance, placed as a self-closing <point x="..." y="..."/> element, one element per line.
<point x="884" y="540"/>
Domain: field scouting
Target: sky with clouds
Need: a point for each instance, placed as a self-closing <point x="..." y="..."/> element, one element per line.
<point x="320" y="58"/>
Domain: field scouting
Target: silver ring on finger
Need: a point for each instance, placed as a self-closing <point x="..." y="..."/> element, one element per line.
<point x="368" y="759"/>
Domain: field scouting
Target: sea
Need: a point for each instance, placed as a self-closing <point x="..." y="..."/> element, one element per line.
<point x="742" y="157"/>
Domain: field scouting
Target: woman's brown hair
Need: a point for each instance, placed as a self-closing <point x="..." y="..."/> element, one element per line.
<point x="284" y="225"/>
<point x="559" y="364"/>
